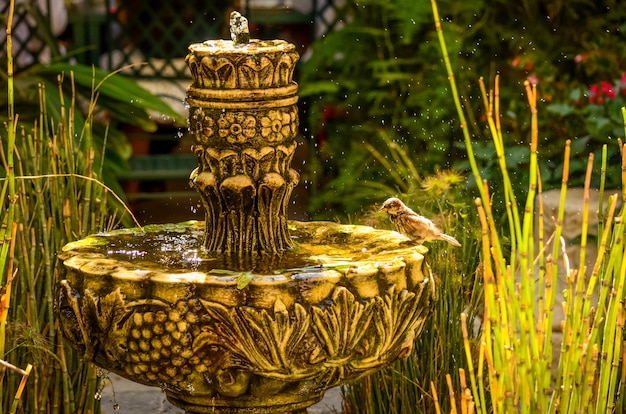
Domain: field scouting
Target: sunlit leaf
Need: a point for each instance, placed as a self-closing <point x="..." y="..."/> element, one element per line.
<point x="244" y="279"/>
<point x="115" y="86"/>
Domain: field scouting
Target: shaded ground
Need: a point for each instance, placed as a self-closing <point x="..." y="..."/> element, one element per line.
<point x="134" y="398"/>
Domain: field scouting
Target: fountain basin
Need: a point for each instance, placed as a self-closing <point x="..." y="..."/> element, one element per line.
<point x="228" y="334"/>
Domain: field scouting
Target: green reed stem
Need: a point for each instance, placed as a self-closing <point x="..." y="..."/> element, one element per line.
<point x="7" y="229"/>
<point x="552" y="274"/>
<point x="455" y="96"/>
<point x="612" y="336"/>
<point x="601" y="218"/>
<point x="622" y="149"/>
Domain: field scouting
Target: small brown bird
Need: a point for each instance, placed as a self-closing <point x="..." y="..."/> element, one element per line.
<point x="417" y="228"/>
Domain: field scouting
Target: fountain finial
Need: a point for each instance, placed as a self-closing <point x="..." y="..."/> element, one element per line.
<point x="239" y="31"/>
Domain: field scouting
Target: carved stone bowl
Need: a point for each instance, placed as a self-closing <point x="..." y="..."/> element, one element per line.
<point x="244" y="334"/>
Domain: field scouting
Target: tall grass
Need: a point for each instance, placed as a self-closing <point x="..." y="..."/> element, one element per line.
<point x="515" y="351"/>
<point x="51" y="194"/>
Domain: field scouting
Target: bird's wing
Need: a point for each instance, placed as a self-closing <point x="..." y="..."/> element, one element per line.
<point x="418" y="224"/>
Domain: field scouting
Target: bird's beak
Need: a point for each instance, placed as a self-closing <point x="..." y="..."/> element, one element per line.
<point x="382" y="210"/>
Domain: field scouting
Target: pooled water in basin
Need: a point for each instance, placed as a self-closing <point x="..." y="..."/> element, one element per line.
<point x="178" y="247"/>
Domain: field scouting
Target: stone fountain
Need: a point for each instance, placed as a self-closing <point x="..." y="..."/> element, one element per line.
<point x="247" y="312"/>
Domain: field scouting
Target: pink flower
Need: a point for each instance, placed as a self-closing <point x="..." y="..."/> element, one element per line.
<point x="581" y="58"/>
<point x="533" y="79"/>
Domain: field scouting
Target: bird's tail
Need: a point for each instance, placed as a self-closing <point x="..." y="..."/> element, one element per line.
<point x="450" y="239"/>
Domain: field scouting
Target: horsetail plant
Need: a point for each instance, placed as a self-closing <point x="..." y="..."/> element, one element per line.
<point x="52" y="193"/>
<point x="514" y="371"/>
<point x="8" y="227"/>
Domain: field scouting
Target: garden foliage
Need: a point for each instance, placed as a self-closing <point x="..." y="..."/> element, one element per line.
<point x="390" y="79"/>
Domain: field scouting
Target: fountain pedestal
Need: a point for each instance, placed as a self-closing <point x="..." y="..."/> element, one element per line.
<point x="268" y="313"/>
<point x="244" y="118"/>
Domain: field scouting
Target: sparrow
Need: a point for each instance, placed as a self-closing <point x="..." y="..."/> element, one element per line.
<point x="409" y="223"/>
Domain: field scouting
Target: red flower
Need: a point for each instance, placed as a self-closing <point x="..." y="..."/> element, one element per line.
<point x="517" y="63"/>
<point x="598" y="92"/>
<point x="594" y="92"/>
<point x="608" y="89"/>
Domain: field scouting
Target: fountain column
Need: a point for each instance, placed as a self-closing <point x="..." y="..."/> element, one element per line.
<point x="244" y="119"/>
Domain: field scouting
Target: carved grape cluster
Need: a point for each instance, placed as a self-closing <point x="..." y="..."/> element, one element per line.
<point x="160" y="344"/>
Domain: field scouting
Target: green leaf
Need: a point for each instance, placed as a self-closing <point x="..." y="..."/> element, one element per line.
<point x="561" y="109"/>
<point x="318" y="88"/>
<point x="114" y="86"/>
<point x="86" y="242"/>
<point x="130" y="114"/>
<point x="244" y="280"/>
<point x="223" y="272"/>
<point x="576" y="94"/>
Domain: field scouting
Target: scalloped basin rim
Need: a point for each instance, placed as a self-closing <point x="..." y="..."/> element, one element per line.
<point x="386" y="252"/>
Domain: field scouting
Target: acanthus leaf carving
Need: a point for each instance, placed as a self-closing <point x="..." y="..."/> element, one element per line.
<point x="267" y="343"/>
<point x="343" y="323"/>
<point x="256" y="162"/>
<point x="284" y="68"/>
<point x="218" y="73"/>
<point x="256" y="72"/>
